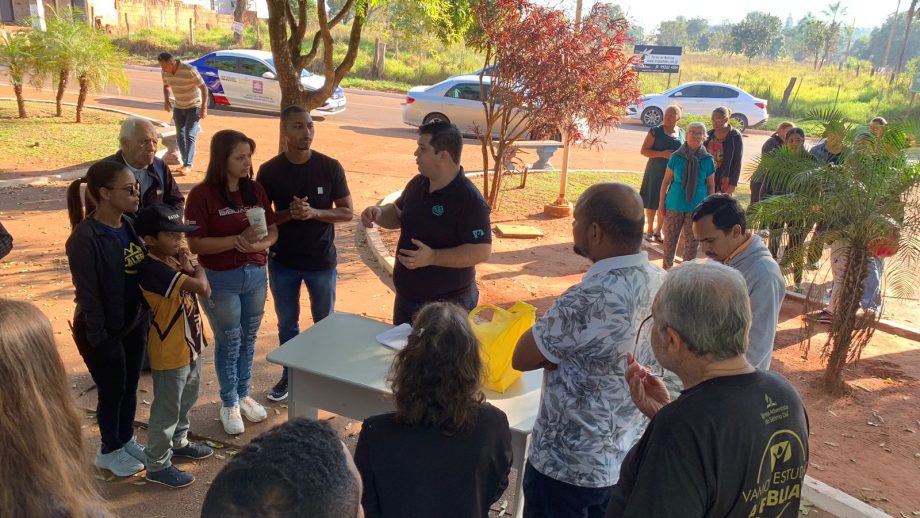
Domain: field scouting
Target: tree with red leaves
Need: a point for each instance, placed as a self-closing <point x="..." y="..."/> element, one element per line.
<point x="549" y="72"/>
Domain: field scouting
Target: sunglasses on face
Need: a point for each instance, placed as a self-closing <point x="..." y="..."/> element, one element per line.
<point x="132" y="190"/>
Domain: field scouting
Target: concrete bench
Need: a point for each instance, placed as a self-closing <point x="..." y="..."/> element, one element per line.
<point x="167" y="136"/>
<point x="545" y="150"/>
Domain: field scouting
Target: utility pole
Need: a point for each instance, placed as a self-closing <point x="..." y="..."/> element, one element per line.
<point x="910" y="18"/>
<point x="894" y="24"/>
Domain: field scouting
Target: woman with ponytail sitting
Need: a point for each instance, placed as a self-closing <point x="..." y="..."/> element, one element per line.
<point x="689" y="178"/>
<point x="43" y="469"/>
<point x="110" y="322"/>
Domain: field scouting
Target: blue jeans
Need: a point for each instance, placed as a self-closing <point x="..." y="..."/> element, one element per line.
<point x="235" y="312"/>
<point x="546" y="497"/>
<point x="872" y="292"/>
<point x="285" y="283"/>
<point x="187" y="129"/>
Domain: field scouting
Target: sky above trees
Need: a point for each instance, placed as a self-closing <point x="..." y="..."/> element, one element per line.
<point x="867" y="13"/>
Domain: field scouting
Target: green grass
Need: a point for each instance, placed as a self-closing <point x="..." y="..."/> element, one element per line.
<point x="45" y="142"/>
<point x="861" y="96"/>
<point x="144" y="45"/>
<point x="379" y="85"/>
<point x="542" y="188"/>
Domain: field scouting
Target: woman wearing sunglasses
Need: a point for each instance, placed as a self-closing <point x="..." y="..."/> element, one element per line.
<point x="110" y="322"/>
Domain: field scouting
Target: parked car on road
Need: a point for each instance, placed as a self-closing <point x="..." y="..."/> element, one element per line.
<point x="248" y="79"/>
<point x="457" y="100"/>
<point x="700" y="99"/>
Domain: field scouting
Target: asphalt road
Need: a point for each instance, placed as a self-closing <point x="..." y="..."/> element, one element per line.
<point x="379" y="114"/>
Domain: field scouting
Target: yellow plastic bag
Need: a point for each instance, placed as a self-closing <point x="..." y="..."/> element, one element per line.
<point x="497" y="339"/>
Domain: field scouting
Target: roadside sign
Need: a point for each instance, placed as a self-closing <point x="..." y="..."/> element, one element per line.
<point x="657" y="58"/>
<point x="237" y="27"/>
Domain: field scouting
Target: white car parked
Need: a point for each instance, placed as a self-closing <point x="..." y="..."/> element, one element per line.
<point x="700" y="99"/>
<point x="455" y="100"/>
<point x="248" y="79"/>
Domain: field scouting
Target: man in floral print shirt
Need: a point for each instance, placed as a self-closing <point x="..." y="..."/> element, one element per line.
<point x="587" y="421"/>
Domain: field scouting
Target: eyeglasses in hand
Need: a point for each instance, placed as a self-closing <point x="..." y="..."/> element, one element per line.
<point x="653" y="367"/>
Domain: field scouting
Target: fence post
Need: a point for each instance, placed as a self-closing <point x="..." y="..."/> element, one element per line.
<point x="191" y="33"/>
<point x="786" y="93"/>
<point x="796" y="94"/>
<point x="127" y="25"/>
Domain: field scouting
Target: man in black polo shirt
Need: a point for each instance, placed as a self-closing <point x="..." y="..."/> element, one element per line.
<point x="310" y="195"/>
<point x="735" y="443"/>
<point x="444" y="227"/>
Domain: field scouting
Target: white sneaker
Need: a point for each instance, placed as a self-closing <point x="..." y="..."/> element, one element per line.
<point x="118" y="462"/>
<point x="230" y="417"/>
<point x="252" y="410"/>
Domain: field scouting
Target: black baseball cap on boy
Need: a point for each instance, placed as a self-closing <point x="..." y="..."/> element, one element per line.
<point x="160" y="217"/>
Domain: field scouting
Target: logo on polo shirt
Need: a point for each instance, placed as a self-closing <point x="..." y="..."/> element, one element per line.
<point x="438" y="210"/>
<point x="477" y="233"/>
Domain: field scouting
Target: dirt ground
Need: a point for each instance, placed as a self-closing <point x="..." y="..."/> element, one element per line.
<point x="876" y="463"/>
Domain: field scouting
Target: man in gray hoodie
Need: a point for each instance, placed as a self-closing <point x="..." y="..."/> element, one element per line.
<point x="719" y="224"/>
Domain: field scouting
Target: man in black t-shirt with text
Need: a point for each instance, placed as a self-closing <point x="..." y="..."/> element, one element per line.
<point x="310" y="195"/>
<point x="735" y="443"/>
<point x="444" y="227"/>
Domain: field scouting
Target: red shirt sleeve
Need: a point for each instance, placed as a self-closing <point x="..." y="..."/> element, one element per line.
<point x="196" y="210"/>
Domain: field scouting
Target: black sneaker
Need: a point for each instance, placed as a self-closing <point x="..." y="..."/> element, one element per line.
<point x="193" y="451"/>
<point x="171" y="477"/>
<point x="280" y="391"/>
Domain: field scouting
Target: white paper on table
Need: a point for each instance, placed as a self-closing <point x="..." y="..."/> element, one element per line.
<point x="395" y="338"/>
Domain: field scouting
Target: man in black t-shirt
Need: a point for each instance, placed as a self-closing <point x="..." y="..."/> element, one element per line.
<point x="444" y="227"/>
<point x="310" y="195"/>
<point x="735" y="443"/>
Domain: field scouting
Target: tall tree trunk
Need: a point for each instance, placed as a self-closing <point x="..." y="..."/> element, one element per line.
<point x="846" y="55"/>
<point x="910" y="18"/>
<point x="61" y="86"/>
<point x="894" y="23"/>
<point x="844" y="322"/>
<point x="20" y="101"/>
<point x="81" y="98"/>
<point x="238" y="11"/>
<point x="378" y="69"/>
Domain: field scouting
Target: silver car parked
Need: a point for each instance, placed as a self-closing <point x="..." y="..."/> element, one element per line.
<point x="456" y="99"/>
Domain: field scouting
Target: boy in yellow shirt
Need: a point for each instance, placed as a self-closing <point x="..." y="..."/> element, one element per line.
<point x="169" y="282"/>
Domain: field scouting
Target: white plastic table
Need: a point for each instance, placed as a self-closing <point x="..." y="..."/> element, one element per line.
<point x="337" y="365"/>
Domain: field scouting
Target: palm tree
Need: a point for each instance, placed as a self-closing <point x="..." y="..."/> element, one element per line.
<point x="97" y="62"/>
<point x="833" y="29"/>
<point x="18" y="55"/>
<point x="58" y="47"/>
<point x="872" y="195"/>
